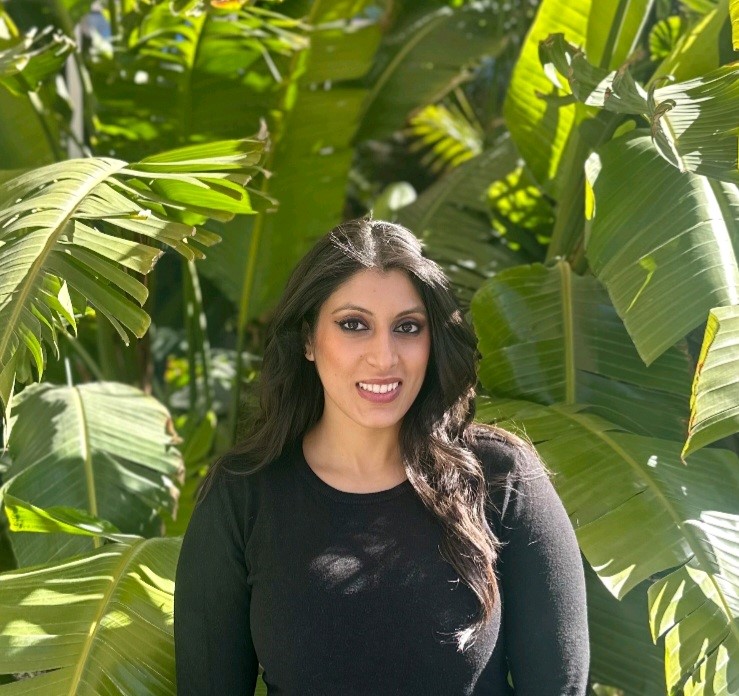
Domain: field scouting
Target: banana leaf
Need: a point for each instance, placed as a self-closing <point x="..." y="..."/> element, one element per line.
<point x="551" y="336"/>
<point x="107" y="449"/>
<point x="660" y="241"/>
<point x="714" y="402"/>
<point x="692" y="123"/>
<point x="541" y="119"/>
<point x="68" y="624"/>
<point x="422" y="60"/>
<point x="622" y="654"/>
<point x="202" y="76"/>
<point x="70" y="221"/>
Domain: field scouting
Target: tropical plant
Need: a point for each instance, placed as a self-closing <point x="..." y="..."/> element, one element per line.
<point x="592" y="234"/>
<point x="587" y="354"/>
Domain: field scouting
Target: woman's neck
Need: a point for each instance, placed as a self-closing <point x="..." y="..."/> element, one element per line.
<point x="355" y="454"/>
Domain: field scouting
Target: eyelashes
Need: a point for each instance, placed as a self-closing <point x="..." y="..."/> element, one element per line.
<point x="408" y="327"/>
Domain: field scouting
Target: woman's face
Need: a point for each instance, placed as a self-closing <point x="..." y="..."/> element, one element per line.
<point x="371" y="336"/>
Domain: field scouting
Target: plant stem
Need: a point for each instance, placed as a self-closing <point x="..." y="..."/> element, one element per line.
<point x="84" y="355"/>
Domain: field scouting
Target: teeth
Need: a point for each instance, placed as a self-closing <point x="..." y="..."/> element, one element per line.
<point x="379" y="388"/>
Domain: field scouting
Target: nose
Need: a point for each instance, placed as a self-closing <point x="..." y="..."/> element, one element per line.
<point x="382" y="354"/>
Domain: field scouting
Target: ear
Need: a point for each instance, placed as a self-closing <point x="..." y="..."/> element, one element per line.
<point x="305" y="333"/>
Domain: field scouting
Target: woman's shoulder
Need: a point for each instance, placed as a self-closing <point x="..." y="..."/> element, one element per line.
<point x="240" y="480"/>
<point x="512" y="468"/>
<point x="503" y="453"/>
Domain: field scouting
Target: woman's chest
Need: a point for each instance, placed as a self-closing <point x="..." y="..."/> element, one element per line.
<point x="350" y="597"/>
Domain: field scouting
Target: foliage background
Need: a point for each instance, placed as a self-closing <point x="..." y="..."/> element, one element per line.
<point x="572" y="165"/>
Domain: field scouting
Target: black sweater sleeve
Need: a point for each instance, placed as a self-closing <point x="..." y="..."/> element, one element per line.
<point x="544" y="602"/>
<point x="213" y="648"/>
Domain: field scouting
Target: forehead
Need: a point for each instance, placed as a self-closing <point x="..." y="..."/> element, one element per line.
<point x="371" y="287"/>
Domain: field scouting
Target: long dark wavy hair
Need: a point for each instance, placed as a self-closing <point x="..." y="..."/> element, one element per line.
<point x="435" y="435"/>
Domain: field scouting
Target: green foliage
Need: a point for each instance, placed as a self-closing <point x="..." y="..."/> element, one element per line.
<point x="106" y="450"/>
<point x="69" y="623"/>
<point x="590" y="229"/>
<point x="52" y="236"/>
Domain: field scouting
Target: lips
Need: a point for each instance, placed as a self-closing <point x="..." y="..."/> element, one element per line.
<point x="373" y="390"/>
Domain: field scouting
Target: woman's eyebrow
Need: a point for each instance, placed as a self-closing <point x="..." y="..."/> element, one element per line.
<point x="418" y="308"/>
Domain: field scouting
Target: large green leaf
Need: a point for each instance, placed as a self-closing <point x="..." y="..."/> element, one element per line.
<point x="27" y="139"/>
<point x="714" y="404"/>
<point x="548" y="335"/>
<point x="622" y="653"/>
<point x="71" y="220"/>
<point x="421" y="61"/>
<point x="542" y="118"/>
<point x="637" y="510"/>
<point x="107" y="449"/>
<point x="693" y="124"/>
<point x="453" y="216"/>
<point x="313" y="154"/>
<point x="27" y="133"/>
<point x="666" y="254"/>
<point x="615" y="485"/>
<point x="101" y="623"/>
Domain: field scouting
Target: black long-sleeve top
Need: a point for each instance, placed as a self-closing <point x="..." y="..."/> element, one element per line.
<point x="347" y="594"/>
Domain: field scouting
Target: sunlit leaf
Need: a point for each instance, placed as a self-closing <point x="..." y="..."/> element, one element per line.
<point x="693" y="123"/>
<point x="666" y="254"/>
<point x="542" y="118"/>
<point x="551" y="336"/>
<point x="664" y="36"/>
<point x="60" y="622"/>
<point x="107" y="450"/>
<point x="61" y="221"/>
<point x="714" y="404"/>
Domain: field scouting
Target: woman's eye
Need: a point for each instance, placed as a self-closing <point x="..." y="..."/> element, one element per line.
<point x="409" y="327"/>
<point x="350" y="324"/>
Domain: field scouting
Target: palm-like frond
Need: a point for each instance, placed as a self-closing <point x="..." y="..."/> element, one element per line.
<point x="423" y="61"/>
<point x="64" y="226"/>
<point x="448" y="135"/>
<point x="69" y="623"/>
<point x="664" y="36"/>
<point x="28" y="59"/>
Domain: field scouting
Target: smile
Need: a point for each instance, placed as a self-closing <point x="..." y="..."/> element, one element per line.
<point x="379" y="388"/>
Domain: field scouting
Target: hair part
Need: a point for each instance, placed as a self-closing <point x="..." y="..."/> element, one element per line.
<point x="435" y="435"/>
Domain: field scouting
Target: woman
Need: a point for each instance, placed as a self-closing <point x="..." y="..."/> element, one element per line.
<point x="365" y="538"/>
